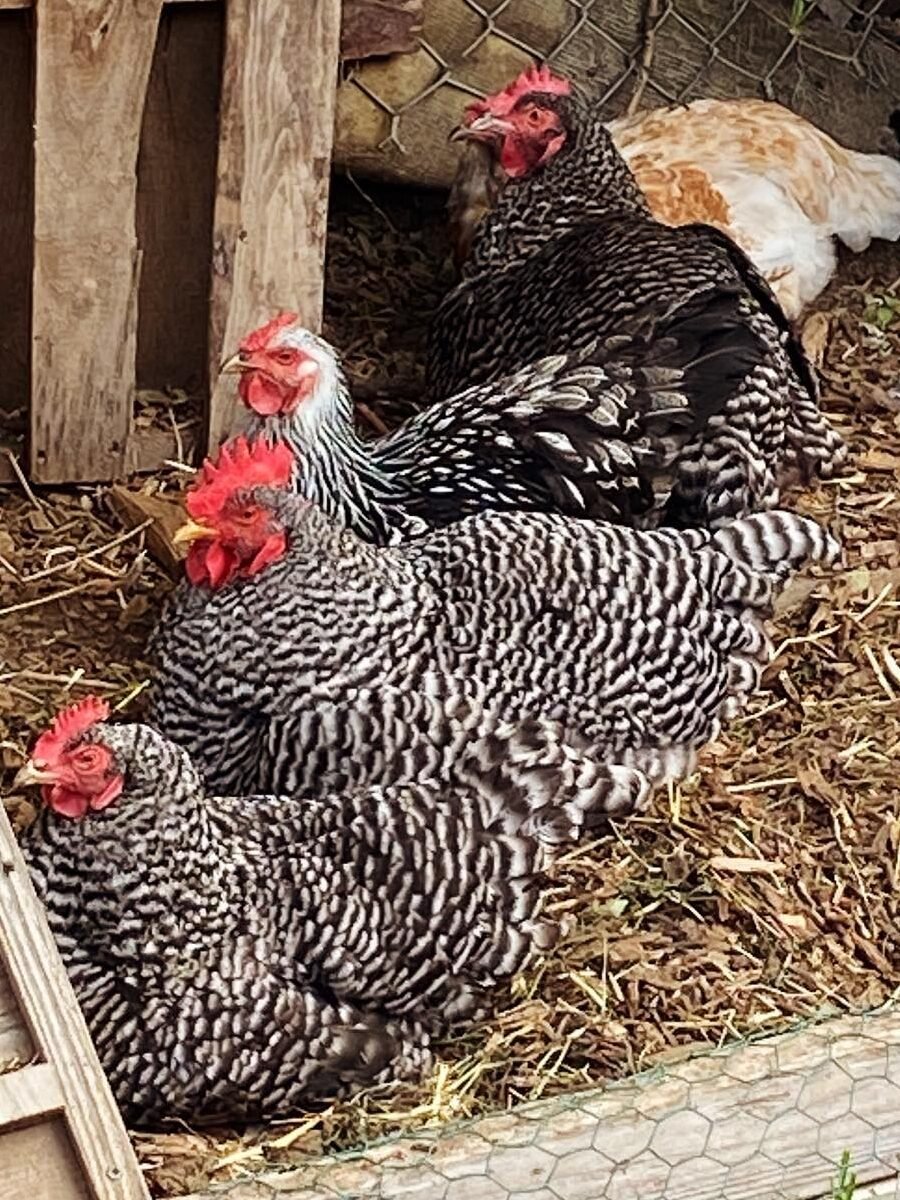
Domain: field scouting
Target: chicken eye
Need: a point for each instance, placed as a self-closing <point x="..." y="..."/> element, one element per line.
<point x="534" y="116"/>
<point x="285" y="357"/>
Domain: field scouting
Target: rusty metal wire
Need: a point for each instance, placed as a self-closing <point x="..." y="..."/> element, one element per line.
<point x="631" y="55"/>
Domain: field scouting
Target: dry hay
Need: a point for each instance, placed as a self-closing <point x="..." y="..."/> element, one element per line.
<point x="762" y="893"/>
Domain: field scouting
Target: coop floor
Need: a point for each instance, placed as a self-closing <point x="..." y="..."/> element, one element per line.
<point x="763" y="893"/>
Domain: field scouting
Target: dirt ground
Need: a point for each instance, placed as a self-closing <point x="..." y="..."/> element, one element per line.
<point x="762" y="893"/>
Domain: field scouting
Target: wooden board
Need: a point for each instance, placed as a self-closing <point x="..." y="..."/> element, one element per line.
<point x="277" y="122"/>
<point x="67" y="1079"/>
<point x="375" y="27"/>
<point x="15" y="206"/>
<point x="39" y="1163"/>
<point x="175" y="193"/>
<point x="92" y="66"/>
<point x="16" y="1046"/>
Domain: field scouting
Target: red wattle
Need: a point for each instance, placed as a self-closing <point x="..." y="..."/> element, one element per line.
<point x="65" y="802"/>
<point x="262" y="394"/>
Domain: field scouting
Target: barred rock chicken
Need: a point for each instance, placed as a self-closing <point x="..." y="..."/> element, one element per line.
<point x="780" y="187"/>
<point x="585" y="434"/>
<point x="238" y="956"/>
<point x="298" y="657"/>
<point x="571" y="253"/>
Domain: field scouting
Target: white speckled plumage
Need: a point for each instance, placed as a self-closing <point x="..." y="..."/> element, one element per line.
<point x="346" y="664"/>
<point x="237" y="957"/>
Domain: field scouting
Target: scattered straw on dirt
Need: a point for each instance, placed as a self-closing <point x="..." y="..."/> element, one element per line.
<point x="764" y="892"/>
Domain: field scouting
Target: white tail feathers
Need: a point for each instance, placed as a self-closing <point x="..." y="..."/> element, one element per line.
<point x="865" y="199"/>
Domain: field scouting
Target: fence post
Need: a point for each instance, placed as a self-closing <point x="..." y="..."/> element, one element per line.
<point x="277" y="127"/>
<point x="91" y="71"/>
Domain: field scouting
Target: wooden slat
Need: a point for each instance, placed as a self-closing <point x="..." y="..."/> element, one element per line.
<point x="372" y="28"/>
<point x="16" y="1046"/>
<point x="29" y="1093"/>
<point x="49" y="1006"/>
<point x="92" y="65"/>
<point x="39" y="1163"/>
<point x="30" y="3"/>
<point x="277" y="126"/>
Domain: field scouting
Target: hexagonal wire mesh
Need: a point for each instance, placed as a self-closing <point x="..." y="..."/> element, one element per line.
<point x="633" y="54"/>
<point x="763" y="1120"/>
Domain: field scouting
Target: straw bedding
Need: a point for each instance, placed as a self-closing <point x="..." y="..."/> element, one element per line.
<point x="763" y="892"/>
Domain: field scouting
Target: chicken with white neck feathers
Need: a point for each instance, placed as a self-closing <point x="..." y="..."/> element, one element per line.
<point x="593" y="433"/>
<point x="238" y="957"/>
<point x="340" y="664"/>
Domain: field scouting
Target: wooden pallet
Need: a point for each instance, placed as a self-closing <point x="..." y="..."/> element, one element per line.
<point x="61" y="1135"/>
<point x="93" y="68"/>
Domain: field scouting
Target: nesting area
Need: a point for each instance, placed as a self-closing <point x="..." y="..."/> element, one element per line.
<point x="763" y="893"/>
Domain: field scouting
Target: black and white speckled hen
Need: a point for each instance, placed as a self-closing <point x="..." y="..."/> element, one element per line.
<point x="571" y="253"/>
<point x="236" y="957"/>
<point x="582" y="433"/>
<point x="299" y="657"/>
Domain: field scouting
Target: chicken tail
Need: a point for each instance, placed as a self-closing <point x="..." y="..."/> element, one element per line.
<point x="546" y="782"/>
<point x="775" y="544"/>
<point x="864" y="197"/>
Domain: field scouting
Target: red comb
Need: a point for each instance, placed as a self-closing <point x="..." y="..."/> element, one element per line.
<point x="534" y="79"/>
<point x="240" y="464"/>
<point x="69" y="724"/>
<point x="260" y="338"/>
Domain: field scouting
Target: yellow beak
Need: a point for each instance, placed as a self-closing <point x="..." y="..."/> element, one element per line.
<point x="32" y="776"/>
<point x="192" y="531"/>
<point x="234" y="365"/>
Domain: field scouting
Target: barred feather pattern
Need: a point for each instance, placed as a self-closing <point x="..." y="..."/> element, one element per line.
<point x="571" y="254"/>
<point x="347" y="664"/>
<point x="238" y="957"/>
<point x="593" y="433"/>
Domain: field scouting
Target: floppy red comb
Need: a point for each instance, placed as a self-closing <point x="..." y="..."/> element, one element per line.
<point x="239" y="465"/>
<point x="534" y="79"/>
<point x="260" y="338"/>
<point x="70" y="724"/>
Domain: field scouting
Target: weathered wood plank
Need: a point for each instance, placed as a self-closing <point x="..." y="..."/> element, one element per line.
<point x="92" y="65"/>
<point x="886" y="1188"/>
<point x="30" y="3"/>
<point x="371" y="28"/>
<point x="28" y="1094"/>
<point x="39" y="1162"/>
<point x="16" y="1047"/>
<point x="770" y="1118"/>
<point x="276" y="130"/>
<point x="49" y="1006"/>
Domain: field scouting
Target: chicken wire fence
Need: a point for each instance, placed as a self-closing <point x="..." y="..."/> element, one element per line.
<point x="628" y="55"/>
<point x="763" y="1120"/>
